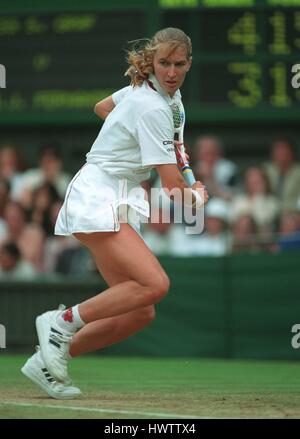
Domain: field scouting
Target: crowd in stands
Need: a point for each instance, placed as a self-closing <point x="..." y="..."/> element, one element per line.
<point x="250" y="210"/>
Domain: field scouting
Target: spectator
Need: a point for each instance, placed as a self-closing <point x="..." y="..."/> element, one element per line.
<point x="164" y="237"/>
<point x="216" y="239"/>
<point x="257" y="201"/>
<point x="50" y="171"/>
<point x="4" y="194"/>
<point x="11" y="168"/>
<point x="15" y="220"/>
<point x="244" y="234"/>
<point x="43" y="198"/>
<point x="55" y="245"/>
<point x="284" y="174"/>
<point x="12" y="266"/>
<point x="156" y="233"/>
<point x="75" y="262"/>
<point x="4" y="199"/>
<point x="31" y="245"/>
<point x="289" y="232"/>
<point x="217" y="173"/>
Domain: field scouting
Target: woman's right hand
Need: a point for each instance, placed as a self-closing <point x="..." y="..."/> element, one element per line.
<point x="204" y="193"/>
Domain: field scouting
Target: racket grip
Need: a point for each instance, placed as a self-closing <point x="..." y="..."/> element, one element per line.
<point x="189" y="176"/>
<point x="185" y="167"/>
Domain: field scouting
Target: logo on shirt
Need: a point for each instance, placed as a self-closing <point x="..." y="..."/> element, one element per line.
<point x="168" y="142"/>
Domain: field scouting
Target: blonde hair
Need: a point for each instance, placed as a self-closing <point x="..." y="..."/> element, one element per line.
<point x="140" y="58"/>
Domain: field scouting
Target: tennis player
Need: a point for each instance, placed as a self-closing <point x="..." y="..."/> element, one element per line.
<point x="103" y="208"/>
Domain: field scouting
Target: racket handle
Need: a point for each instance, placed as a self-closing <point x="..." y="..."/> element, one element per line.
<point x="188" y="176"/>
<point x="184" y="166"/>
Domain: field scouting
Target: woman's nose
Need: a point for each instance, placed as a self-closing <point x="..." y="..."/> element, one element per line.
<point x="172" y="72"/>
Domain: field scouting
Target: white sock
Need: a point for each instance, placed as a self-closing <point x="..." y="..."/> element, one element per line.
<point x="70" y="319"/>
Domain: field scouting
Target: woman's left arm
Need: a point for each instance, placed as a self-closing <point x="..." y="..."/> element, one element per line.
<point x="104" y="107"/>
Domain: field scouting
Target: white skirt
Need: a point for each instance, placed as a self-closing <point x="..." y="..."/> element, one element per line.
<point x="98" y="202"/>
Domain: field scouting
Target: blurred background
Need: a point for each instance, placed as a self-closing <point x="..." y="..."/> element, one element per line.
<point x="235" y="288"/>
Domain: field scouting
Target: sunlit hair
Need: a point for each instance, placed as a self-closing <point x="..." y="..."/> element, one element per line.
<point x="140" y="57"/>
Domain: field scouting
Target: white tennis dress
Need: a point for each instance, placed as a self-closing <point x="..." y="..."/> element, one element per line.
<point x="136" y="136"/>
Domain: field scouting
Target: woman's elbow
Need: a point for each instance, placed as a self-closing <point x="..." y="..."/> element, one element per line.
<point x="97" y="108"/>
<point x="100" y="112"/>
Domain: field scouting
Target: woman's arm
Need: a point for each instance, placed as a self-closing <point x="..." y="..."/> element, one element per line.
<point x="104" y="107"/>
<point x="171" y="178"/>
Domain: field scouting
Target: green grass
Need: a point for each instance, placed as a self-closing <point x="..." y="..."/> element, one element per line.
<point x="120" y="388"/>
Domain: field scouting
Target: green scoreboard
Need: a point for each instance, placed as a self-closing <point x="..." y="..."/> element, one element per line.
<point x="59" y="58"/>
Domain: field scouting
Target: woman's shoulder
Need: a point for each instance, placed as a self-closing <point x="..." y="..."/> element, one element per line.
<point x="146" y="100"/>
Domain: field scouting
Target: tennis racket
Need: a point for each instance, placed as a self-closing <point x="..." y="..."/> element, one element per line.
<point x="183" y="164"/>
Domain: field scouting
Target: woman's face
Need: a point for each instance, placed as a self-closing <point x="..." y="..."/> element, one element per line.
<point x="255" y="182"/>
<point x="170" y="68"/>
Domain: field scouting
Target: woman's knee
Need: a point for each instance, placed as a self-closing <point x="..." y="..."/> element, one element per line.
<point x="146" y="315"/>
<point x="159" y="287"/>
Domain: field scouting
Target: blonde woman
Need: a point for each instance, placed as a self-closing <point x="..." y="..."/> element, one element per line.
<point x="137" y="135"/>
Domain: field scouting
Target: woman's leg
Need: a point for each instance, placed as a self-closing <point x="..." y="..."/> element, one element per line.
<point x="105" y="332"/>
<point x="108" y="331"/>
<point x="144" y="282"/>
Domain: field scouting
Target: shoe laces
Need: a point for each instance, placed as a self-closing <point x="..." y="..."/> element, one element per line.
<point x="65" y="343"/>
<point x="58" y="386"/>
<point x="64" y="340"/>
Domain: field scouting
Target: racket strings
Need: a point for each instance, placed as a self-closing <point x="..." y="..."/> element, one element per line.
<point x="176" y="115"/>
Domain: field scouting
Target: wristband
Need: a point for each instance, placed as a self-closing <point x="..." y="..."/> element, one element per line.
<point x="199" y="201"/>
<point x="188" y="200"/>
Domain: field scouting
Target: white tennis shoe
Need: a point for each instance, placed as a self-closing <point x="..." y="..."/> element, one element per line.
<point x="54" y="343"/>
<point x="36" y="370"/>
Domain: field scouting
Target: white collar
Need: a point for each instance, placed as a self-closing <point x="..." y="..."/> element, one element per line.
<point x="158" y="88"/>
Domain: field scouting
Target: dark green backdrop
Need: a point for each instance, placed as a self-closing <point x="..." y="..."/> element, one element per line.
<point x="62" y="56"/>
<point x="232" y="307"/>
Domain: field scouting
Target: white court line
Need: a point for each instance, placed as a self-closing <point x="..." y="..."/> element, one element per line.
<point x="97" y="410"/>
